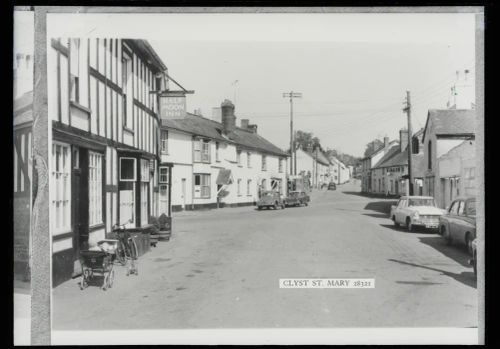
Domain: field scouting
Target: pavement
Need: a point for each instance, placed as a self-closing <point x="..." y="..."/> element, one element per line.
<point x="221" y="269"/>
<point x="22" y="313"/>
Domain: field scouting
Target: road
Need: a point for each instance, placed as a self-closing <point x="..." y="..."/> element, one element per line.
<point x="222" y="267"/>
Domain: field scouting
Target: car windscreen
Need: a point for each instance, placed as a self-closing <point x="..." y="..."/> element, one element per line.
<point x="421" y="202"/>
<point x="471" y="208"/>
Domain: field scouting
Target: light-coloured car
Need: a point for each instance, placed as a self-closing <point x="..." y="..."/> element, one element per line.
<point x="416" y="211"/>
<point x="458" y="224"/>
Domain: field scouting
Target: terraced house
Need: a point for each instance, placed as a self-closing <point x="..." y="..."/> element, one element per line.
<point x="209" y="163"/>
<point x="105" y="131"/>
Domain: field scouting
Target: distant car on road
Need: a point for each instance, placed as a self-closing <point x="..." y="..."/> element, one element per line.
<point x="297" y="198"/>
<point x="332" y="186"/>
<point x="416" y="211"/>
<point x="270" y="199"/>
<point x="458" y="224"/>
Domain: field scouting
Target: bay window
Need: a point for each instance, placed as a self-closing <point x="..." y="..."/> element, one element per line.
<point x="61" y="187"/>
<point x="202" y="186"/>
<point x="95" y="188"/>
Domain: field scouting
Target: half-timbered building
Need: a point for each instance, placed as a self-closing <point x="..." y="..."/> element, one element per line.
<point x="104" y="141"/>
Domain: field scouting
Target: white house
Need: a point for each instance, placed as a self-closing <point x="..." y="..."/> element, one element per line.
<point x="209" y="164"/>
<point x="368" y="162"/>
<point x="341" y="173"/>
<point x="314" y="165"/>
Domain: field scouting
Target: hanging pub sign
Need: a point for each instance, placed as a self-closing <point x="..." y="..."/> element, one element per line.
<point x="173" y="106"/>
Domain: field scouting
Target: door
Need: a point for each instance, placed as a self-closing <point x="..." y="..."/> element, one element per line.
<point x="79" y="203"/>
<point x="163" y="199"/>
<point x="183" y="186"/>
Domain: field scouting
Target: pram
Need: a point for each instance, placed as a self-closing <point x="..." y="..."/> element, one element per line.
<point x="99" y="262"/>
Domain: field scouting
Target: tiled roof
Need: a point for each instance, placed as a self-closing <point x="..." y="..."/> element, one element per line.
<point x="200" y="126"/>
<point x="390" y="153"/>
<point x="452" y="121"/>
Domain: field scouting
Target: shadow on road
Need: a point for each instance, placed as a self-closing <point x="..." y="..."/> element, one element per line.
<point x="376" y="215"/>
<point x="457" y="253"/>
<point x="466" y="277"/>
<point x="380" y="206"/>
<point x="402" y="228"/>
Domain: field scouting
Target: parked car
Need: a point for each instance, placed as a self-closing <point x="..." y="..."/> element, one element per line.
<point x="270" y="199"/>
<point x="332" y="186"/>
<point x="416" y="211"/>
<point x="458" y="224"/>
<point x="297" y="198"/>
<point x="473" y="260"/>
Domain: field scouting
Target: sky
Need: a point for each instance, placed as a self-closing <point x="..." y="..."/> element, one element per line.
<point x="353" y="70"/>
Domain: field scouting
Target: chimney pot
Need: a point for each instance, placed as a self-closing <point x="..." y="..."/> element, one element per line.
<point x="244" y="123"/>
<point x="252" y="128"/>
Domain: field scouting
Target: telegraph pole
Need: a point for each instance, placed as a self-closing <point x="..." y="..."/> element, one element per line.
<point x="407" y="109"/>
<point x="293" y="152"/>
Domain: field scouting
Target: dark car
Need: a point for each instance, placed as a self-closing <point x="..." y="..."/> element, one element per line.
<point x="332" y="186"/>
<point x="458" y="224"/>
<point x="473" y="260"/>
<point x="270" y="199"/>
<point x="297" y="198"/>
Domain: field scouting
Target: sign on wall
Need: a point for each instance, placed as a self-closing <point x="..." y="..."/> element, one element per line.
<point x="172" y="107"/>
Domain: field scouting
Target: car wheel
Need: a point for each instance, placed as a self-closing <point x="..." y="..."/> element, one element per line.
<point x="396" y="224"/>
<point x="446" y="236"/>
<point x="468" y="243"/>
<point x="275" y="206"/>
<point x="409" y="226"/>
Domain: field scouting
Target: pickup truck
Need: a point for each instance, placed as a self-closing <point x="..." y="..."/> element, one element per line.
<point x="297" y="198"/>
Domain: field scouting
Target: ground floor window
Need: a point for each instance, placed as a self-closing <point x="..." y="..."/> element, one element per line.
<point x="249" y="186"/>
<point x="144" y="203"/>
<point x="127" y="188"/>
<point x="202" y="186"/>
<point x="95" y="188"/>
<point x="239" y="187"/>
<point x="61" y="187"/>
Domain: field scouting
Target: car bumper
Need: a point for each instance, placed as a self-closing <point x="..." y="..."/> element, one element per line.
<point x="425" y="225"/>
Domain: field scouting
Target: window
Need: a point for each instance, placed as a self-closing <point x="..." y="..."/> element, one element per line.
<point x="280" y="166"/>
<point x="264" y="163"/>
<point x="74" y="70"/>
<point x="127" y="169"/>
<point x="201" y="150"/>
<point x="144" y="190"/>
<point x="127" y="90"/>
<point x="429" y="155"/>
<point x="454" y="208"/>
<point x="238" y="157"/>
<point x="471" y="208"/>
<point x="202" y="186"/>
<point x="61" y="185"/>
<point x="239" y="187"/>
<point x="249" y="160"/>
<point x="217" y="151"/>
<point x="163" y="175"/>
<point x="164" y="141"/>
<point x="461" y="208"/>
<point x="95" y="188"/>
<point x="249" y="186"/>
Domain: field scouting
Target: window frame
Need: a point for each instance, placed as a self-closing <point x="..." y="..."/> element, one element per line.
<point x="160" y="175"/>
<point x="99" y="208"/>
<point x="264" y="163"/>
<point x="201" y="185"/>
<point x="164" y="142"/>
<point x="67" y="190"/>
<point x="134" y="170"/>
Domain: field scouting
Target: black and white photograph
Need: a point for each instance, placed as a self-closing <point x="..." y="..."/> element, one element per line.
<point x="248" y="175"/>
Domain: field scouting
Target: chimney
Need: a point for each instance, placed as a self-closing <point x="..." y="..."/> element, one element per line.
<point x="252" y="128"/>
<point x="244" y="123"/>
<point x="228" y="118"/>
<point x="217" y="114"/>
<point x="403" y="139"/>
<point x="386" y="142"/>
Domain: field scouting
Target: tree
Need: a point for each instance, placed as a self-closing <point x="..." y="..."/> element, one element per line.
<point x="373" y="146"/>
<point x="306" y="140"/>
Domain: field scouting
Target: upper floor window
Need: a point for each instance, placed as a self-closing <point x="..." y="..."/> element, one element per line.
<point x="127" y="90"/>
<point x="201" y="150"/>
<point x="264" y="163"/>
<point x="280" y="166"/>
<point x="429" y="155"/>
<point x="249" y="159"/>
<point x="238" y="157"/>
<point x="74" y="70"/>
<point x="163" y="175"/>
<point x="217" y="151"/>
<point x="164" y="141"/>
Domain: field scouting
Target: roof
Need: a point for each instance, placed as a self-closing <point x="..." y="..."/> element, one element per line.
<point x="145" y="48"/>
<point x="319" y="156"/>
<point x="390" y="153"/>
<point x="378" y="150"/>
<point x="201" y="126"/>
<point x="452" y="121"/>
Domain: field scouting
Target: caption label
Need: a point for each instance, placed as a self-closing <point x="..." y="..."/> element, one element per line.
<point x="327" y="283"/>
